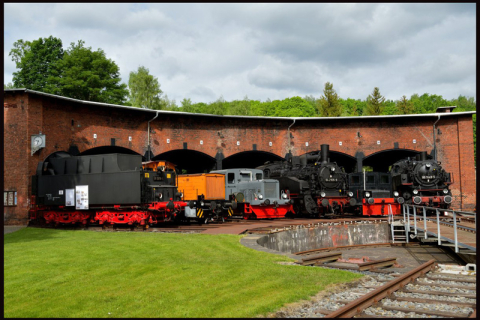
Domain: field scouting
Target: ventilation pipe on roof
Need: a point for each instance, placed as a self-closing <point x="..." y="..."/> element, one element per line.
<point x="288" y="132"/>
<point x="434" y="140"/>
<point x="148" y="138"/>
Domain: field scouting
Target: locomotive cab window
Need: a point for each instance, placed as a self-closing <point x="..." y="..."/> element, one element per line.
<point x="258" y="176"/>
<point x="370" y="179"/>
<point x="355" y="180"/>
<point x="384" y="179"/>
<point x="231" y="177"/>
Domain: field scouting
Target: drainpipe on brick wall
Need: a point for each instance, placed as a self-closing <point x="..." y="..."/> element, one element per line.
<point x="434" y="140"/>
<point x="288" y="132"/>
<point x="148" y="137"/>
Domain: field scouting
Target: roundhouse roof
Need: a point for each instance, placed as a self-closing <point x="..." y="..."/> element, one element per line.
<point x="101" y="104"/>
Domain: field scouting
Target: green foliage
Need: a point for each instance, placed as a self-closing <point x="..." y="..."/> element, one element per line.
<point x="352" y="107"/>
<point x="76" y="73"/>
<point x="311" y="99"/>
<point x="467" y="104"/>
<point x="375" y="103"/>
<point x="83" y="274"/>
<point x="89" y="75"/>
<point x="38" y="61"/>
<point x="427" y="103"/>
<point x="405" y="106"/>
<point x="293" y="107"/>
<point x="144" y="89"/>
<point x="8" y="86"/>
<point x="167" y="104"/>
<point x="329" y="105"/>
<point x="390" y="108"/>
<point x="239" y="107"/>
<point x="262" y="109"/>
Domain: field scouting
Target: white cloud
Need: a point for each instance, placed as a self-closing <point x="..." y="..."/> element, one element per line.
<point x="269" y="50"/>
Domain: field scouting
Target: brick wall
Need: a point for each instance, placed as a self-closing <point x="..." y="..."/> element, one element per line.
<point x="69" y="123"/>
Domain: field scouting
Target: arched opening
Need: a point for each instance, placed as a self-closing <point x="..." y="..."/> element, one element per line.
<point x="342" y="159"/>
<point x="189" y="161"/>
<point x="249" y="159"/>
<point x="382" y="160"/>
<point x="108" y="150"/>
<point x="56" y="155"/>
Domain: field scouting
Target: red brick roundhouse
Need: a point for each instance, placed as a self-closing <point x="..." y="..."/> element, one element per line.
<point x="199" y="142"/>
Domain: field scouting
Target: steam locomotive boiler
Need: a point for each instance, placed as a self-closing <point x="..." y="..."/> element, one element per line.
<point x="317" y="186"/>
<point x="422" y="181"/>
<point x="104" y="189"/>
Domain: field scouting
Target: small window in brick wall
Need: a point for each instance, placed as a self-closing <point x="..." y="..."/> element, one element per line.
<point x="9" y="198"/>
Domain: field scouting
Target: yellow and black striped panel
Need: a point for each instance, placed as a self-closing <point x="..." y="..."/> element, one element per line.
<point x="199" y="212"/>
<point x="230" y="212"/>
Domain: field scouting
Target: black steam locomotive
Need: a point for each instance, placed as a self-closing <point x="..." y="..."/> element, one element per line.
<point x="104" y="189"/>
<point x="317" y="186"/>
<point x="422" y="181"/>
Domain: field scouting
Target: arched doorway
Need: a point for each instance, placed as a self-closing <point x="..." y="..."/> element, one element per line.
<point x="249" y="159"/>
<point x="188" y="161"/>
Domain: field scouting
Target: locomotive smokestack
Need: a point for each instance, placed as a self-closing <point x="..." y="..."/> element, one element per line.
<point x="325" y="152"/>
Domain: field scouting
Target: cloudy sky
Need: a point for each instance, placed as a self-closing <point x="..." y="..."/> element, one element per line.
<point x="271" y="50"/>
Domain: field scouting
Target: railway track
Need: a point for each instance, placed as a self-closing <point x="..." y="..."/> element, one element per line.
<point x="422" y="292"/>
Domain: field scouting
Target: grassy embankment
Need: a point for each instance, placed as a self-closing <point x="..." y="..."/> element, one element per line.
<point x="86" y="274"/>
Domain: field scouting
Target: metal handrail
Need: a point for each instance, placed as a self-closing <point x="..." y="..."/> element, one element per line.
<point x="406" y="215"/>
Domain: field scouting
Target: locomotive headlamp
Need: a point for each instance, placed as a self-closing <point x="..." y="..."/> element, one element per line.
<point x="350" y="194"/>
<point x="448" y="199"/>
<point x="415" y="191"/>
<point x="322" y="194"/>
<point x="160" y="195"/>
<point x="428" y="165"/>
<point x="332" y="168"/>
<point x="284" y="196"/>
<point x="202" y="203"/>
<point x="367" y="194"/>
<point x="395" y="193"/>
<point x="445" y="191"/>
<point x="260" y="196"/>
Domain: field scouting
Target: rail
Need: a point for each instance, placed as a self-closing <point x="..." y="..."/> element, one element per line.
<point x="356" y="306"/>
<point x="407" y="215"/>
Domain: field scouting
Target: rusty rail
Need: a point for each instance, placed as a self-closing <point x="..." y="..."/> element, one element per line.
<point x="316" y="259"/>
<point x="376" y="295"/>
<point x="355" y="246"/>
<point x="369" y="265"/>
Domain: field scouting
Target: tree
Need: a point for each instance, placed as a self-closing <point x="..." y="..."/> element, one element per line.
<point x="351" y="107"/>
<point x="89" y="75"/>
<point x="329" y="105"/>
<point x="8" y="86"/>
<point x="144" y="89"/>
<point x="405" y="106"/>
<point x="239" y="107"/>
<point x="38" y="61"/>
<point x="219" y="107"/>
<point x="311" y="99"/>
<point x="375" y="103"/>
<point x="293" y="107"/>
<point x="187" y="105"/>
<point x="167" y="104"/>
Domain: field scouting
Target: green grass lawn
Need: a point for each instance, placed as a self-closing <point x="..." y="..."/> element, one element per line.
<point x="87" y="274"/>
